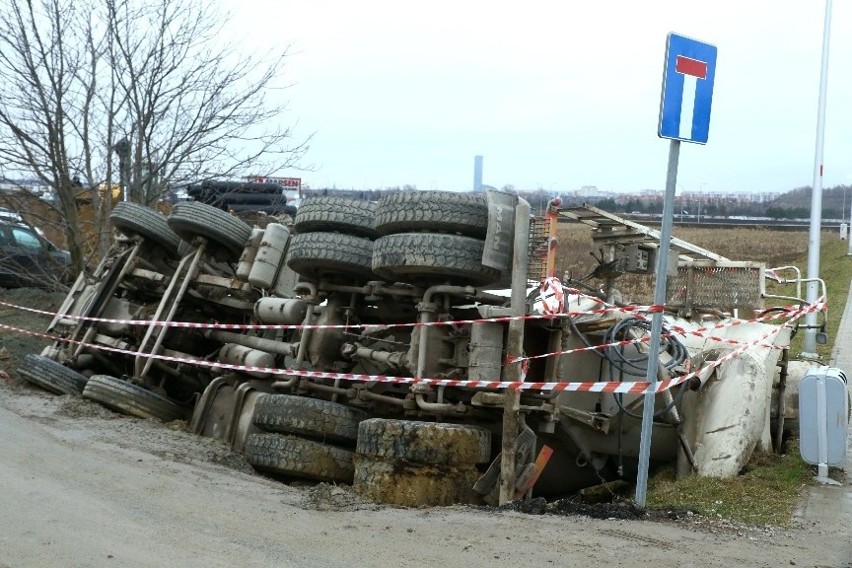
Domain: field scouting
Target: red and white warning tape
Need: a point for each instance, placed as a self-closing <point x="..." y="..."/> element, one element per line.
<point x="277" y="326"/>
<point x="790" y="316"/>
<point x="552" y="297"/>
<point x="636" y="387"/>
<point x="358" y="377"/>
<point x="633" y="309"/>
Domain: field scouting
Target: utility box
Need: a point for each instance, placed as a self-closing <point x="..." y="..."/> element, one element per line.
<point x="823" y="417"/>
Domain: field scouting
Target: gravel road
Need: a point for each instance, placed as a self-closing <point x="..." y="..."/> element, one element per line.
<point x="83" y="487"/>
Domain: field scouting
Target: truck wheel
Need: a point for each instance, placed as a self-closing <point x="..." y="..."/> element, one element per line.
<point x="269" y="208"/>
<point x="212" y="188"/>
<point x="315" y="255"/>
<point x="128" y="398"/>
<point x="433" y="211"/>
<point x="413" y="485"/>
<point x="432" y="257"/>
<point x="340" y="214"/>
<point x="51" y="375"/>
<point x="189" y="220"/>
<point x="135" y="219"/>
<point x="251" y="197"/>
<point x="430" y="443"/>
<point x="309" y="417"/>
<point x="297" y="457"/>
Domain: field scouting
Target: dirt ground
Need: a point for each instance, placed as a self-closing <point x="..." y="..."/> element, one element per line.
<point x="82" y="486"/>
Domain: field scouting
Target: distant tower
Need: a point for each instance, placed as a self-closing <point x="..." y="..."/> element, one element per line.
<point x="477" y="173"/>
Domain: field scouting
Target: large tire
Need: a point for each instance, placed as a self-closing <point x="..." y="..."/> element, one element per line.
<point x="317" y="255"/>
<point x="433" y="211"/>
<point x="271" y="209"/>
<point x="431" y="443"/>
<point x="131" y="399"/>
<point x="413" y="485"/>
<point x="51" y="375"/>
<point x="336" y="214"/>
<point x="432" y="257"/>
<point x="207" y="197"/>
<point x="228" y="186"/>
<point x="190" y="219"/>
<point x="297" y="457"/>
<point x="135" y="219"/>
<point x="308" y="417"/>
<point x="250" y="197"/>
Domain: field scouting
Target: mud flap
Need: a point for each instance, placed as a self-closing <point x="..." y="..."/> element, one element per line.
<point x="500" y="235"/>
<point x="225" y="410"/>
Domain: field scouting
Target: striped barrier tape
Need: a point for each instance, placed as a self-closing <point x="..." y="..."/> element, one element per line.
<point x="277" y="326"/>
<point x="622" y="343"/>
<point x="635" y="387"/>
<point x="638" y="309"/>
<point x="359" y="377"/>
<point x="551" y="296"/>
<point x="682" y="331"/>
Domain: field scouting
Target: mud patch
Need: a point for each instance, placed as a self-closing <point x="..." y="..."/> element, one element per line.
<point x="329" y="497"/>
<point x="628" y="510"/>
<point x="574" y="506"/>
<point x="75" y="407"/>
<point x="175" y="443"/>
<point x="15" y="344"/>
<point x="231" y="460"/>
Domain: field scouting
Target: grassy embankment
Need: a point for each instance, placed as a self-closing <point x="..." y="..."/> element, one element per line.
<point x="769" y="489"/>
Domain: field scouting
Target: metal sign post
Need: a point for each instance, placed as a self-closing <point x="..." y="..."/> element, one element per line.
<point x="690" y="70"/>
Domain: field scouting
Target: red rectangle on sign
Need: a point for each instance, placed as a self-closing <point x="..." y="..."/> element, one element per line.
<point x="689" y="66"/>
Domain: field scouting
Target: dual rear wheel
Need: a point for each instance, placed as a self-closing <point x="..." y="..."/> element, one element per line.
<point x="422" y="237"/>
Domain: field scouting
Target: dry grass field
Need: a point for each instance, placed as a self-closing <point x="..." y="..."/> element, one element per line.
<point x="579" y="256"/>
<point x="775" y="248"/>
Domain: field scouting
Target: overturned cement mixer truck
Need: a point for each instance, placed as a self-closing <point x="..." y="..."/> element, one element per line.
<point x="421" y="347"/>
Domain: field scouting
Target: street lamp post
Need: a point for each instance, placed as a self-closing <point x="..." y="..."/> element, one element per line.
<point x="809" y="343"/>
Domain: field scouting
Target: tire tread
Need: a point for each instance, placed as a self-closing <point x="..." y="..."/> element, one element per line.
<point x="433" y="443"/>
<point x="341" y="214"/>
<point x="433" y="211"/>
<point x="297" y="457"/>
<point x="128" y="398"/>
<point x="432" y="256"/>
<point x="314" y="255"/>
<point x="309" y="417"/>
<point x="51" y="375"/>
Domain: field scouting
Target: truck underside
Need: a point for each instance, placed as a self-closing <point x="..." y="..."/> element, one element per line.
<point x="423" y="349"/>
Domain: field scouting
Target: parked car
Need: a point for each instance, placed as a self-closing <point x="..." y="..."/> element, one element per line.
<point x="27" y="258"/>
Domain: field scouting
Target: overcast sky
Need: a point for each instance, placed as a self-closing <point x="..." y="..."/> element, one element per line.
<point x="554" y="94"/>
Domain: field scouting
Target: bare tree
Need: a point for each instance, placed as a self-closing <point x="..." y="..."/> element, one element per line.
<point x="132" y="94"/>
<point x="35" y="101"/>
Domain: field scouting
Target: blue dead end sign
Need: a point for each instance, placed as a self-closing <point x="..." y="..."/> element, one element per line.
<point x="687" y="89"/>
